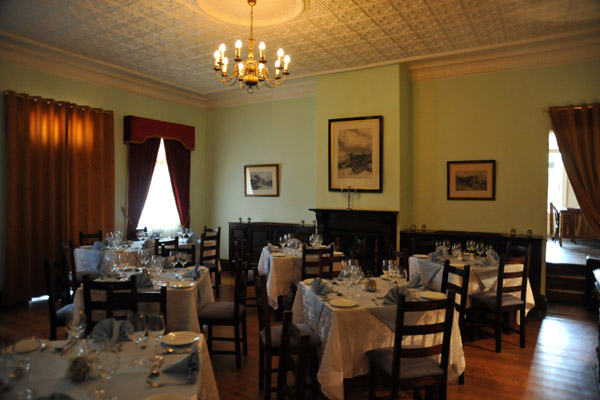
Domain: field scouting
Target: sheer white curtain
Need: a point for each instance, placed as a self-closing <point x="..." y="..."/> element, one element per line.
<point x="160" y="210"/>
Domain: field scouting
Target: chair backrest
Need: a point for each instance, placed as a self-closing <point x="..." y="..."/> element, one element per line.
<point x="57" y="285"/>
<point x="296" y="361"/>
<point x="511" y="282"/>
<point x="136" y="298"/>
<point x="436" y="348"/>
<point x="319" y="259"/>
<point x="402" y="257"/>
<point x="554" y="222"/>
<point x="160" y="246"/>
<point x="99" y="296"/>
<point x="210" y="242"/>
<point x="240" y="288"/>
<point x="518" y="254"/>
<point x="89" y="238"/>
<point x="191" y="250"/>
<point x="68" y="258"/>
<point x="367" y="254"/>
<point x="262" y="305"/>
<point x="462" y="289"/>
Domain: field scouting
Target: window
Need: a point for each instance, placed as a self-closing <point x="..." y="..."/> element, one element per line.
<point x="560" y="192"/>
<point x="160" y="210"/>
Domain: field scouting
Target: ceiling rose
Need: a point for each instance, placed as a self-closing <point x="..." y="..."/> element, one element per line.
<point x="267" y="12"/>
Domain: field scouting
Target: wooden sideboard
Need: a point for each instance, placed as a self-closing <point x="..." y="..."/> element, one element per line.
<point x="257" y="234"/>
<point x="423" y="242"/>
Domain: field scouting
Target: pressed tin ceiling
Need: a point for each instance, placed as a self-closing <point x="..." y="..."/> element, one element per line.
<point x="171" y="42"/>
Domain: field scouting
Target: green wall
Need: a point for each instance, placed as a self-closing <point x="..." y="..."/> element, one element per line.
<point x="36" y="83"/>
<point x="279" y="132"/>
<point x="495" y="116"/>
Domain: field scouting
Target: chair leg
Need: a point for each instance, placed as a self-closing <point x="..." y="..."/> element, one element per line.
<point x="244" y="335"/>
<point x="217" y="281"/>
<point x="372" y="382"/>
<point x="523" y="324"/>
<point x="268" y="377"/>
<point x="498" y="331"/>
<point x="209" y="341"/>
<point x="261" y="366"/>
<point x="461" y="379"/>
<point x="238" y="350"/>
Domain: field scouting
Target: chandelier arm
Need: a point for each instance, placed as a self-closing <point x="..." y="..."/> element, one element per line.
<point x="227" y="79"/>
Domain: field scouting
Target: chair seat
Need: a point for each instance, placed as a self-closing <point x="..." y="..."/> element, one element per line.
<point x="218" y="311"/>
<point x="64" y="313"/>
<point x="210" y="266"/>
<point x="488" y="300"/>
<point x="315" y="340"/>
<point x="410" y="368"/>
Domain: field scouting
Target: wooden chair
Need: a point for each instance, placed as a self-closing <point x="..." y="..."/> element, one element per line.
<point x="191" y="251"/>
<point x="144" y="300"/>
<point x="160" y="246"/>
<point x="228" y="314"/>
<point x="89" y="238"/>
<point x="402" y="257"/>
<point x="270" y="337"/>
<point x="240" y="255"/>
<point x="367" y="255"/>
<point x="68" y="258"/>
<point x="105" y="300"/>
<point x="295" y="358"/>
<point x="321" y="266"/>
<point x="415" y="368"/>
<point x="211" y="261"/>
<point x="502" y="302"/>
<point x="59" y="295"/>
<point x="462" y="289"/>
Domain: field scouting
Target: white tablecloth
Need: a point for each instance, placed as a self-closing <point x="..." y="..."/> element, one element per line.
<point x="282" y="271"/>
<point x="182" y="304"/>
<point x="423" y="268"/>
<point x="348" y="333"/>
<point x="48" y="376"/>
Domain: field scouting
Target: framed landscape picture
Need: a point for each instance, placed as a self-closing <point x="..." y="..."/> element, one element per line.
<point x="355" y="154"/>
<point x="261" y="180"/>
<point x="472" y="180"/>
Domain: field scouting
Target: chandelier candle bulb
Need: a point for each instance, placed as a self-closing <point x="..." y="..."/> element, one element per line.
<point x="286" y="60"/>
<point x="238" y="50"/>
<point x="222" y="49"/>
<point x="225" y="62"/>
<point x="262" y="47"/>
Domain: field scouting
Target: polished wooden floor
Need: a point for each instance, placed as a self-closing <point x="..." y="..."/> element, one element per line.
<point x="558" y="362"/>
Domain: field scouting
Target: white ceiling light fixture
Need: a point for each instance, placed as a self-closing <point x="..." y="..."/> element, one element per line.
<point x="251" y="73"/>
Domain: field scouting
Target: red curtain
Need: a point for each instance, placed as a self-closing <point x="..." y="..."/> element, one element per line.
<point x="59" y="180"/>
<point x="142" y="158"/>
<point x="577" y="130"/>
<point x="178" y="161"/>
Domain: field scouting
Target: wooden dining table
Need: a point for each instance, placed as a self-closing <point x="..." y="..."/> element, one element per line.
<point x="347" y="333"/>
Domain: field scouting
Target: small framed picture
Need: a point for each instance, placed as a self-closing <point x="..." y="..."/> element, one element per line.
<point x="355" y="154"/>
<point x="261" y="180"/>
<point x="472" y="180"/>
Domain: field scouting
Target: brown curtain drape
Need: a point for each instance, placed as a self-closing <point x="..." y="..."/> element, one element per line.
<point x="577" y="130"/>
<point x="178" y="162"/>
<point x="141" y="162"/>
<point x="51" y="149"/>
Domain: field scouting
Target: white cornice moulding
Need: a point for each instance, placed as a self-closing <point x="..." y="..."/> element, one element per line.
<point x="521" y="57"/>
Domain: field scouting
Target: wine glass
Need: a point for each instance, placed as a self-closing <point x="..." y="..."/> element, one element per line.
<point x="143" y="257"/>
<point x="183" y="259"/>
<point x="124" y="261"/>
<point x="141" y="235"/>
<point x="356" y="274"/>
<point x="107" y="363"/>
<point x="319" y="239"/>
<point x="25" y="350"/>
<point x="479" y="248"/>
<point x="136" y="331"/>
<point x="312" y="240"/>
<point x="456" y="249"/>
<point x="76" y="323"/>
<point x="282" y="241"/>
<point x="156" y="328"/>
<point x="489" y="250"/>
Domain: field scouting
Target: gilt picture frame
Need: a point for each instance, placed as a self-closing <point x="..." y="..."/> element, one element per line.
<point x="471" y="180"/>
<point x="356" y="154"/>
<point x="261" y="180"/>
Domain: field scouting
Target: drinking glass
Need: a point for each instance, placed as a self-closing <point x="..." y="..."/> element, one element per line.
<point x="489" y="250"/>
<point x="136" y="331"/>
<point x="479" y="248"/>
<point x="446" y="244"/>
<point x="319" y="239"/>
<point x="124" y="261"/>
<point x="141" y="235"/>
<point x="312" y="240"/>
<point x="173" y="258"/>
<point x="156" y="328"/>
<point x="7" y="367"/>
<point x="25" y="351"/>
<point x="107" y="363"/>
<point x="357" y="275"/>
<point x="282" y="241"/>
<point x="76" y="324"/>
<point x="456" y="248"/>
<point x="393" y="271"/>
<point x="143" y="257"/>
<point x="183" y="259"/>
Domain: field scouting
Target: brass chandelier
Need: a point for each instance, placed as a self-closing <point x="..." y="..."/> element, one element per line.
<point x="250" y="73"/>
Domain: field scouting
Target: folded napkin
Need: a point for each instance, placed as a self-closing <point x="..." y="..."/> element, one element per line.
<point x="392" y="297"/>
<point x="97" y="245"/>
<point x="148" y="244"/>
<point x="187" y="365"/>
<point x="434" y="257"/>
<point x="415" y="283"/>
<point x="143" y="281"/>
<point x="193" y="238"/>
<point x="295" y="244"/>
<point x="111" y="330"/>
<point x="319" y="287"/>
<point x="387" y="313"/>
<point x="489" y="260"/>
<point x="442" y="251"/>
<point x="488" y="275"/>
<point x="192" y="273"/>
<point x="271" y="248"/>
<point x="493" y="254"/>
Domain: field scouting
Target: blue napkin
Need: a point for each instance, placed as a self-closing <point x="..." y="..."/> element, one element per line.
<point x="434" y="257"/>
<point x="188" y="365"/>
<point x="97" y="246"/>
<point x="192" y="274"/>
<point x="415" y="282"/>
<point x="271" y="248"/>
<point x="489" y="260"/>
<point x="392" y="297"/>
<point x="319" y="287"/>
<point x="143" y="281"/>
<point x="442" y="251"/>
<point x="193" y="238"/>
<point x="493" y="254"/>
<point x="111" y="330"/>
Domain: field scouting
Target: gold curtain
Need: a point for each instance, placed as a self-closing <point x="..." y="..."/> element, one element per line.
<point x="577" y="130"/>
<point x="60" y="180"/>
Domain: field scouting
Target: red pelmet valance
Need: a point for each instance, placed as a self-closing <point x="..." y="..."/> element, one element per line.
<point x="138" y="129"/>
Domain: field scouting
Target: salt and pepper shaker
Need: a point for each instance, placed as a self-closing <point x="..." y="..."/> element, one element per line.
<point x="529" y="233"/>
<point x="424" y="228"/>
<point x="413" y="227"/>
<point x="249" y="220"/>
<point x="513" y="232"/>
<point x="302" y="222"/>
<point x="240" y="220"/>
